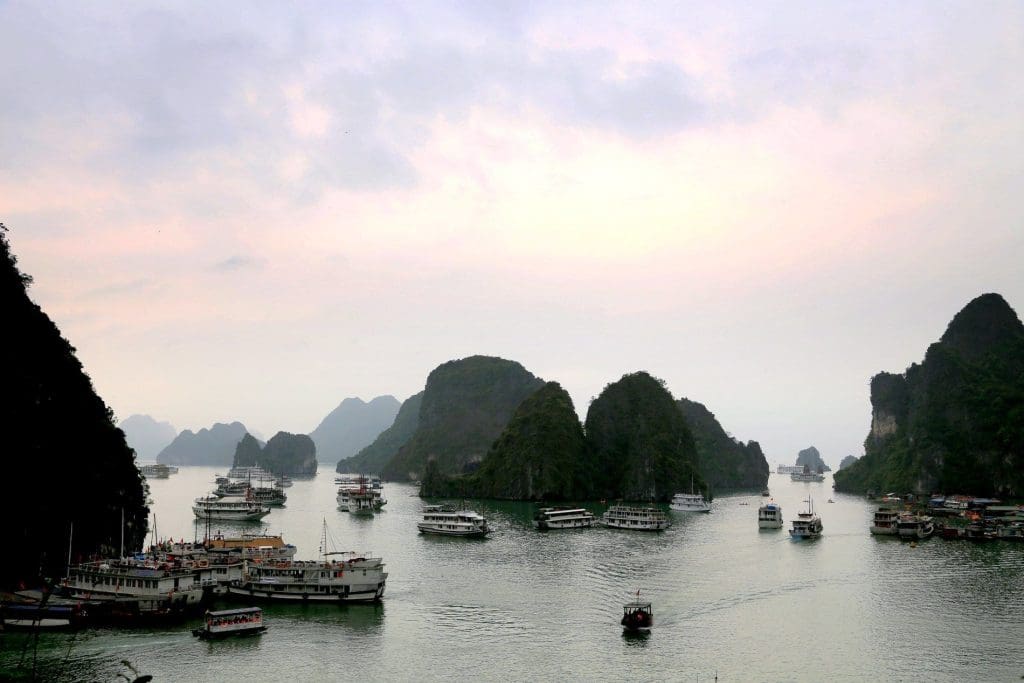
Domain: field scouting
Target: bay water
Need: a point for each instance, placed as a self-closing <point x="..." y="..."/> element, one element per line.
<point x="729" y="600"/>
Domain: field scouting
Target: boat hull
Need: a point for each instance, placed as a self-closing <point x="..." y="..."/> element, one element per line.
<point x="230" y="516"/>
<point x="425" y="529"/>
<point x="770" y="524"/>
<point x="268" y="594"/>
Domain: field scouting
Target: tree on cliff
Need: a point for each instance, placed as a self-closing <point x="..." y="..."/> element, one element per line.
<point x="59" y="437"/>
<point x="642" y="448"/>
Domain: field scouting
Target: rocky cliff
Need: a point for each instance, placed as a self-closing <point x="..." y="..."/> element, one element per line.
<point x="65" y="462"/>
<point x="724" y="461"/>
<point x="540" y="455"/>
<point x="352" y="426"/>
<point x="213" y="446"/>
<point x="466" y="405"/>
<point x="954" y="422"/>
<point x="641" y="444"/>
<point x="811" y="458"/>
<point x="290" y="454"/>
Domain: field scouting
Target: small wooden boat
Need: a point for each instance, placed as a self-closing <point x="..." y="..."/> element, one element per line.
<point x="244" y="621"/>
<point x="637" y="615"/>
<point x="37" y="617"/>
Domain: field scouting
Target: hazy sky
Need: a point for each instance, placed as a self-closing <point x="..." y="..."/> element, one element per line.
<point x="251" y="211"/>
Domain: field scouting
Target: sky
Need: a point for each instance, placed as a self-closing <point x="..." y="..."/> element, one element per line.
<point x="250" y="211"/>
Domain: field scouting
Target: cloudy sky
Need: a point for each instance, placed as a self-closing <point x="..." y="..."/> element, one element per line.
<point x="253" y="210"/>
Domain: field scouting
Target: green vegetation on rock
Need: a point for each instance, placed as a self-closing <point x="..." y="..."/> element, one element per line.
<point x="466" y="405"/>
<point x="955" y="422"/>
<point x="642" y="447"/>
<point x="724" y="462"/>
<point x="539" y="456"/>
<point x="66" y="461"/>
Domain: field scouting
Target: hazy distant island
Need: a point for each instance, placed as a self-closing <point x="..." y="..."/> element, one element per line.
<point x="352" y="426"/>
<point x="147" y="436"/>
<point x="810" y="457"/>
<point x="67" y="461"/>
<point x="374" y="457"/>
<point x="954" y="422"/>
<point x="213" y="446"/>
<point x="289" y="454"/>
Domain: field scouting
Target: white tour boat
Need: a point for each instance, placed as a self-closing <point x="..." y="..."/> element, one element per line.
<point x="915" y="527"/>
<point x="244" y="621"/>
<point x="807" y="524"/>
<point x="884" y="522"/>
<point x="337" y="577"/>
<point x="690" y="502"/>
<point x="635" y="518"/>
<point x="229" y="508"/>
<point x="360" y="495"/>
<point x="446" y="521"/>
<point x="131" y="587"/>
<point x="769" y="516"/>
<point x="562" y="518"/>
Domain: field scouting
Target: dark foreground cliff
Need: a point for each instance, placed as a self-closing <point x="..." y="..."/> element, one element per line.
<point x="65" y="461"/>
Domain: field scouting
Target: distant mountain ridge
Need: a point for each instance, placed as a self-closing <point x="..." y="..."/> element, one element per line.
<point x="352" y="426"/>
<point x="147" y="436"/>
<point x="213" y="446"/>
<point x="373" y="458"/>
<point x="954" y="422"/>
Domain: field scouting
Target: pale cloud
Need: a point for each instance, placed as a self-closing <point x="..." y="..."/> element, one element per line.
<point x="785" y="199"/>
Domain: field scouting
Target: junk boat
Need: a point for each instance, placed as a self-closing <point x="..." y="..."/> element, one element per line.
<point x="360" y="495"/>
<point x="884" y="522"/>
<point x="806" y="475"/>
<point x="562" y="518"/>
<point x="637" y="615"/>
<point x="229" y="508"/>
<point x="447" y="521"/>
<point x="807" y="524"/>
<point x="244" y="621"/>
<point x="635" y="518"/>
<point x="769" y="516"/>
<point x="915" y="527"/>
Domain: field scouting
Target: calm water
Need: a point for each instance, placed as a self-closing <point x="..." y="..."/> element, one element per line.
<point x="730" y="599"/>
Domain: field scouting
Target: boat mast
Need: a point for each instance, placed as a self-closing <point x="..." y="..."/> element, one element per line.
<point x="71" y="536"/>
<point x="122" y="532"/>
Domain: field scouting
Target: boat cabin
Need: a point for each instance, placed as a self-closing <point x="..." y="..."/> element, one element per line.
<point x="637" y="615"/>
